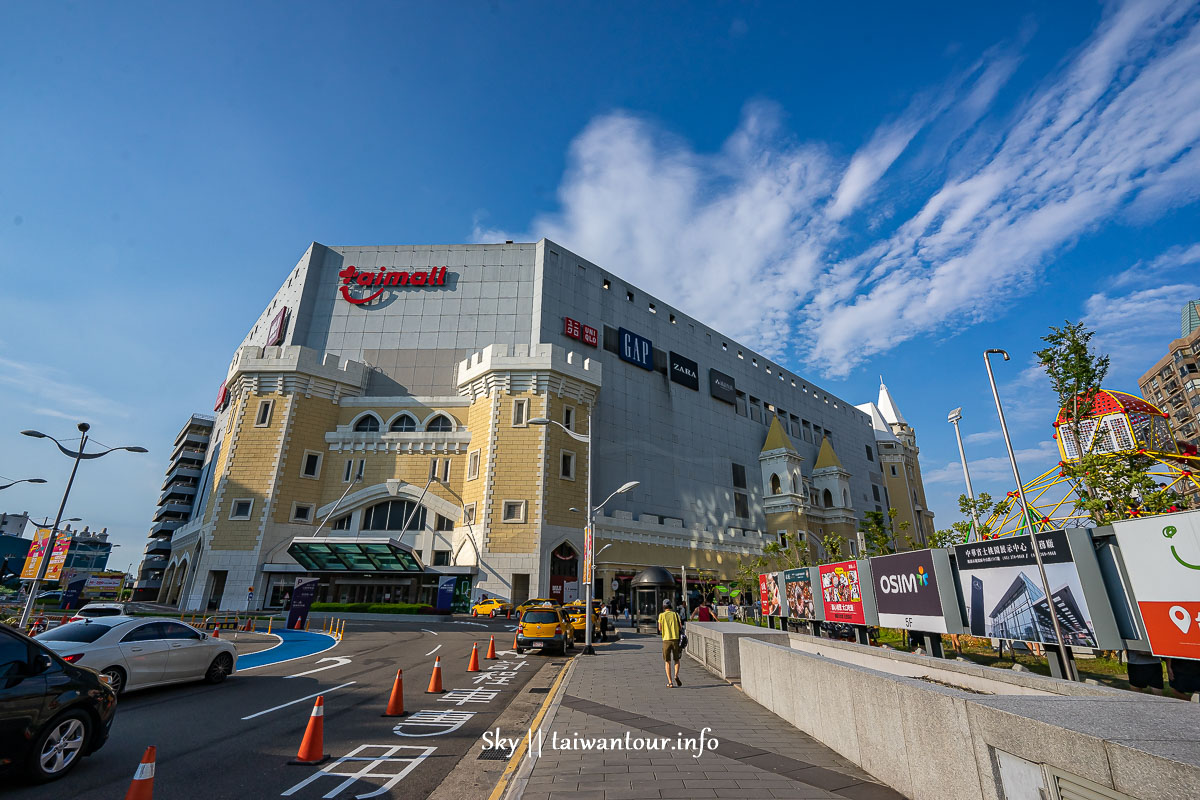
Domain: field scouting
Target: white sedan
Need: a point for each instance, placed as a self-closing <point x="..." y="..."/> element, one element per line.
<point x="139" y="652"/>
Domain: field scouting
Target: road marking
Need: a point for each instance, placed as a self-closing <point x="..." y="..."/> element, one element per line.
<point x="371" y="764"/>
<point x="301" y="700"/>
<point x="434" y="650"/>
<point x="339" y="661"/>
<point x="429" y="631"/>
<point x="476" y="624"/>
<point x="333" y="640"/>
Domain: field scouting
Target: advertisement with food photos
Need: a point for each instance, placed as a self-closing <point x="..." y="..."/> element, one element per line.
<point x="841" y="593"/>
<point x="906" y="592"/>
<point x="1162" y="560"/>
<point x="797" y="585"/>
<point x="768" y="593"/>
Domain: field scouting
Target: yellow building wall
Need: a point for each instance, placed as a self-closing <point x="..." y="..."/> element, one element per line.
<point x="516" y="477"/>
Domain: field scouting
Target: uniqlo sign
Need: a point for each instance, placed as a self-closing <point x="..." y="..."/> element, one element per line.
<point x="584" y="333"/>
<point x="1162" y="559"/>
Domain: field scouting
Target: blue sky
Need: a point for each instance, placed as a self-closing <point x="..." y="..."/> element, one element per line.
<point x="901" y="187"/>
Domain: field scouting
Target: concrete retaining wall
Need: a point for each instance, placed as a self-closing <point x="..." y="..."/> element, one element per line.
<point x="930" y="741"/>
<point x="716" y="644"/>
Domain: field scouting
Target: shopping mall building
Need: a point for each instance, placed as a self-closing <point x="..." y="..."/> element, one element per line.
<point x="373" y="430"/>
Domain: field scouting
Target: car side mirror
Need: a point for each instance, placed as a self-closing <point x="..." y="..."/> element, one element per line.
<point x="42" y="663"/>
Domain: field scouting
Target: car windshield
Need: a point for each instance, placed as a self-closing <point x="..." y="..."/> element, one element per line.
<point x="540" y="617"/>
<point x="82" y="631"/>
<point x="99" y="611"/>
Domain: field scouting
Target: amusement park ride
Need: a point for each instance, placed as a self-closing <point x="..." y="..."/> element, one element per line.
<point x="1120" y="425"/>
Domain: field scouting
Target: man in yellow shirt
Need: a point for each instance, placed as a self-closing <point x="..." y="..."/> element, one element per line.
<point x="670" y="626"/>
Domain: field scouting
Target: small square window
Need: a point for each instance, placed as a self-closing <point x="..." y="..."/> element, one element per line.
<point x="607" y="284"/>
<point x="263" y="417"/>
<point x="311" y="467"/>
<point x="673" y="319"/>
<point x="469" y="514"/>
<point x="629" y="296"/>
<point x="302" y="512"/>
<point x="441" y="558"/>
<point x="514" y="511"/>
<point x="473" y="465"/>
<point x="653" y="309"/>
<point x="520" y="414"/>
<point x="241" y="509"/>
<point x="566" y="465"/>
<point x="444" y="523"/>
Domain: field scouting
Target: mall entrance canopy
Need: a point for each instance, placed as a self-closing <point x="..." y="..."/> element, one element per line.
<point x="358" y="554"/>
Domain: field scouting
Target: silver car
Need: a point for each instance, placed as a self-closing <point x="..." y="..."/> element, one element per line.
<point x="140" y="652"/>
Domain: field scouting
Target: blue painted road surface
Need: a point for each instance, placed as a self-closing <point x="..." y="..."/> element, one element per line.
<point x="292" y="645"/>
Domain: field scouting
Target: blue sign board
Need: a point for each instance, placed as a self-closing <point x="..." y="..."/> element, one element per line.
<point x="445" y="598"/>
<point x="303" y="595"/>
<point x="635" y="349"/>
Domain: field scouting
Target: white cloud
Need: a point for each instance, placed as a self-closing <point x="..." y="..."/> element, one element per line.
<point x="996" y="471"/>
<point x="983" y="436"/>
<point x="46" y="391"/>
<point x="761" y="237"/>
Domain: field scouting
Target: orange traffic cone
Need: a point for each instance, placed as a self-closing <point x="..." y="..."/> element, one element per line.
<point x="217" y="631"/>
<point x="312" y="747"/>
<point x="514" y="640"/>
<point x="142" y="785"/>
<point x="435" y="680"/>
<point x="395" y="706"/>
<point x="491" y="653"/>
<point x="473" y="666"/>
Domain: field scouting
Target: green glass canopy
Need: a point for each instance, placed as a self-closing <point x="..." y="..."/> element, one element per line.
<point x="343" y="554"/>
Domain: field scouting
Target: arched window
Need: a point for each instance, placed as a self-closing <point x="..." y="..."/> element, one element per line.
<point x="440" y="424"/>
<point x="828" y="498"/>
<point x="795" y="483"/>
<point x="367" y="424"/>
<point x="403" y="424"/>
<point x="391" y="514"/>
<point x="564" y="561"/>
<point x="776" y="488"/>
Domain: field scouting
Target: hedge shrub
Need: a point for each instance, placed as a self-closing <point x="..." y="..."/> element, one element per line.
<point x="374" y="608"/>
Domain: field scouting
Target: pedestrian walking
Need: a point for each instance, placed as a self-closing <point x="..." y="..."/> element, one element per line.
<point x="604" y="622"/>
<point x="703" y="613"/>
<point x="671" y="628"/>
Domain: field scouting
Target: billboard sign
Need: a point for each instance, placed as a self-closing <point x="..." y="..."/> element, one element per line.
<point x="1162" y="560"/>
<point x="841" y="593"/>
<point x="278" y="328"/>
<point x="906" y="592"/>
<point x="445" y="594"/>
<point x="684" y="371"/>
<point x="635" y="349"/>
<point x="37" y="550"/>
<point x="580" y="332"/>
<point x="302" y="597"/>
<point x="722" y="387"/>
<point x="1004" y="594"/>
<point x="797" y="587"/>
<point x="768" y="594"/>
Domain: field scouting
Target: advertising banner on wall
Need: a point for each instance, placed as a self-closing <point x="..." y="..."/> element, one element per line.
<point x="445" y="594"/>
<point x="768" y="593"/>
<point x="684" y="371"/>
<point x="1004" y="595"/>
<point x="797" y="587"/>
<point x="722" y="387"/>
<point x="37" y="550"/>
<point x="906" y="592"/>
<point x="841" y="593"/>
<point x="635" y="349"/>
<point x="1162" y="560"/>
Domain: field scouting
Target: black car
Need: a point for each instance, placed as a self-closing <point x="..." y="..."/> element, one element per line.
<point x="52" y="713"/>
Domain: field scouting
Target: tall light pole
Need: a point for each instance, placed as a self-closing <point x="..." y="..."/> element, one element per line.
<point x="1062" y="645"/>
<point x="77" y="455"/>
<point x="23" y="480"/>
<point x="589" y="533"/>
<point x="953" y="419"/>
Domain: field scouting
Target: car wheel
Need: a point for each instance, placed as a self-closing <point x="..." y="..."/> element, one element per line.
<point x="219" y="669"/>
<point x="520" y="650"/>
<point x="59" y="746"/>
<point x="115" y="677"/>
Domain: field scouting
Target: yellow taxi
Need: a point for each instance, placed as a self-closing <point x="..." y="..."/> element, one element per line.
<point x="534" y="603"/>
<point x="491" y="607"/>
<point x="545" y="628"/>
<point x="575" y="612"/>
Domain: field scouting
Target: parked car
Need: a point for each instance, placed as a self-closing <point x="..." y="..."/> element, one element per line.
<point x="93" y="610"/>
<point x="574" y="612"/>
<point x="536" y="602"/>
<point x="490" y="608"/>
<point x="545" y="628"/>
<point x="139" y="652"/>
<point x="46" y="598"/>
<point x="52" y="713"/>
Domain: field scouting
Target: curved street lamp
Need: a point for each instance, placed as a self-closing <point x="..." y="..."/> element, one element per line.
<point x="23" y="480"/>
<point x="77" y="456"/>
<point x="589" y="533"/>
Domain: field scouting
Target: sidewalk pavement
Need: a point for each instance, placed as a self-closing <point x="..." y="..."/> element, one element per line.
<point x="623" y="689"/>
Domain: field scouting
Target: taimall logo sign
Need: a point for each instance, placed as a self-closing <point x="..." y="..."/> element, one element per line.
<point x="434" y="276"/>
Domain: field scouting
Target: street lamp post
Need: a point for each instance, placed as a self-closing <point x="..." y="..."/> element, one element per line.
<point x="589" y="532"/>
<point x="23" y="480"/>
<point x="1061" y="650"/>
<point x="77" y="455"/>
<point x="953" y="419"/>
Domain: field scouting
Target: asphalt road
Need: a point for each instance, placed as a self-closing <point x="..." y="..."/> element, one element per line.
<point x="233" y="741"/>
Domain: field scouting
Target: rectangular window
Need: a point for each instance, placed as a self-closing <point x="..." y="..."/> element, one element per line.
<point x="871" y="456"/>
<point x="520" y="417"/>
<point x="853" y="548"/>
<point x="444" y="523"/>
<point x="263" y="418"/>
<point x="445" y="470"/>
<point x="566" y="465"/>
<point x="241" y="509"/>
<point x="741" y="405"/>
<point x="514" y="511"/>
<point x="741" y="505"/>
<point x="473" y="465"/>
<point x="469" y="514"/>
<point x="893" y="466"/>
<point x="875" y="491"/>
<point x="806" y="426"/>
<point x="569" y="417"/>
<point x="439" y="469"/>
<point x="341" y="523"/>
<point x="311" y="468"/>
<point x="302" y="512"/>
<point x="441" y="558"/>
<point x="354" y="469"/>
<point x="739" y="476"/>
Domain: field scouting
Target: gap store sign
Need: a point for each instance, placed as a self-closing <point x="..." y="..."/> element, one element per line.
<point x="635" y="349"/>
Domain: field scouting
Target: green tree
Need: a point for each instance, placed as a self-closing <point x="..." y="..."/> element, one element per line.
<point x="879" y="532"/>
<point x="982" y="508"/>
<point x="786" y="555"/>
<point x="831" y="547"/>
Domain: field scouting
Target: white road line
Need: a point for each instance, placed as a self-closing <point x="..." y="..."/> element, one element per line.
<point x="434" y="650"/>
<point x="301" y="699"/>
<point x="429" y="631"/>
